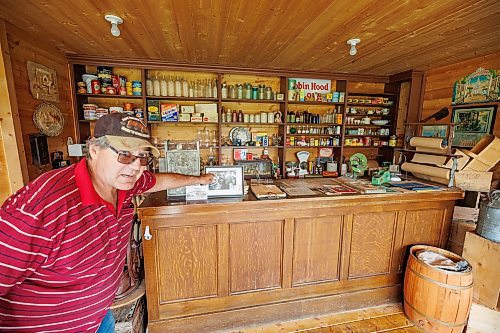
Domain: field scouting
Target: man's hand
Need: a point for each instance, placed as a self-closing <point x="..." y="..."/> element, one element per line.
<point x="207" y="178"/>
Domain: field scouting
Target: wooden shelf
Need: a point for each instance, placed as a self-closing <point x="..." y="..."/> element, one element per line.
<point x="188" y="123"/>
<point x="110" y="96"/>
<point x="371" y="105"/>
<point x="351" y="94"/>
<point x="309" y="134"/>
<point x="268" y="101"/>
<point x="303" y="147"/>
<point x="223" y="147"/>
<point x="315" y="103"/>
<point x="174" y="98"/>
<point x="309" y="124"/>
<point x="250" y="124"/>
<point x="366" y="115"/>
<point x="352" y="125"/>
<point x="370" y="135"/>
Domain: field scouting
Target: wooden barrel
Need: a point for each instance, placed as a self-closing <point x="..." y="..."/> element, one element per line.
<point x="436" y="300"/>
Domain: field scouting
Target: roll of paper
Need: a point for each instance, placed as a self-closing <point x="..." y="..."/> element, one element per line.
<point x="426" y="170"/>
<point x="425" y="143"/>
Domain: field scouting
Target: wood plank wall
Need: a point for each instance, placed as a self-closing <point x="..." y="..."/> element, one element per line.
<point x="24" y="47"/>
<point x="439" y="90"/>
<point x="440" y="81"/>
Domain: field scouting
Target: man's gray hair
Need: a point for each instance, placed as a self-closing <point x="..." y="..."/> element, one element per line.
<point x="101" y="143"/>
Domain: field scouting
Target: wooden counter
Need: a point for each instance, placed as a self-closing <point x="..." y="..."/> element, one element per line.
<point x="222" y="265"/>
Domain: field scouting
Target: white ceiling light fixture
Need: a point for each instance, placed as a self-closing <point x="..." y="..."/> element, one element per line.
<point x="114" y="20"/>
<point x="353" y="42"/>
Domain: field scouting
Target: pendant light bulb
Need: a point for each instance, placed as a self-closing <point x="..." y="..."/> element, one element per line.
<point x="115" y="31"/>
<point x="353" y="42"/>
<point x="114" y="20"/>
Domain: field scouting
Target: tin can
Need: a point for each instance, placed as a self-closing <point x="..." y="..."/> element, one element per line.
<point x="128" y="106"/>
<point x="96" y="87"/>
<point x="110" y="90"/>
<point x="136" y="88"/>
<point x="115" y="79"/>
<point x="393" y="140"/>
<point x="139" y="113"/>
<point x="128" y="87"/>
<point x="99" y="112"/>
<point x="89" y="111"/>
<point x="123" y="91"/>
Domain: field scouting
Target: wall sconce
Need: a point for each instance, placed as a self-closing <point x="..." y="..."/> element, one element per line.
<point x="114" y="20"/>
<point x="353" y="42"/>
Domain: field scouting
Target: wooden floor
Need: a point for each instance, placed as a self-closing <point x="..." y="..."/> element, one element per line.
<point x="386" y="318"/>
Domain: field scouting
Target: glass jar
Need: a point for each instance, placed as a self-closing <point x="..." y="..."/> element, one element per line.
<point x="185" y="88"/>
<point x="223" y="90"/>
<point x="178" y="87"/>
<point x="255" y="92"/>
<point x="156" y="87"/>
<point x="170" y="87"/>
<point x="248" y="91"/>
<point x="261" y="91"/>
<point x="239" y="92"/>
<point x="149" y="86"/>
<point x="163" y="87"/>
<point x="393" y="140"/>
<point x="268" y="93"/>
<point x="232" y="91"/>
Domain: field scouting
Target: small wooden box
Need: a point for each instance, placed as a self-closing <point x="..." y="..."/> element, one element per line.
<point x="484" y="256"/>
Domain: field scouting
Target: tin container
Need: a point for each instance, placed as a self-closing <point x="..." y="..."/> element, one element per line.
<point x="255" y="92"/>
<point x="89" y="111"/>
<point x="128" y="88"/>
<point x="128" y="106"/>
<point x="99" y="112"/>
<point x="138" y="112"/>
<point x="393" y="140"/>
<point x="488" y="223"/>
<point x="110" y="90"/>
<point x="136" y="88"/>
<point x="95" y="86"/>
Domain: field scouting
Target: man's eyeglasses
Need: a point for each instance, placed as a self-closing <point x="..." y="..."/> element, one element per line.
<point x="126" y="157"/>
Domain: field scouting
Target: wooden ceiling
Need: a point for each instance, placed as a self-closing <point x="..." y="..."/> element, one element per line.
<point x="284" y="34"/>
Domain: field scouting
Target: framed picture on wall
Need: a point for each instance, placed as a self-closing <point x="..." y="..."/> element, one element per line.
<point x="434" y="131"/>
<point x="473" y="124"/>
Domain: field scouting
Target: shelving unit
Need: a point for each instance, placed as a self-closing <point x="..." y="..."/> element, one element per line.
<point x="353" y="88"/>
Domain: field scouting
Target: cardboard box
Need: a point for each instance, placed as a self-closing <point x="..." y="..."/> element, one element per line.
<point x="473" y="180"/>
<point x="485" y="154"/>
<point x="169" y="112"/>
<point x="196" y="119"/>
<point x="484" y="256"/>
<point x="461" y="162"/>
<point x="187" y="109"/>
<point x="184" y="117"/>
<point x="458" y="230"/>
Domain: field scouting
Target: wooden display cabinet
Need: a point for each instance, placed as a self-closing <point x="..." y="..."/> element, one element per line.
<point x="352" y="86"/>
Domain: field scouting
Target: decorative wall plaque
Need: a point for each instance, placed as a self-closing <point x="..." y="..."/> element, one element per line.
<point x="48" y="119"/>
<point x="43" y="82"/>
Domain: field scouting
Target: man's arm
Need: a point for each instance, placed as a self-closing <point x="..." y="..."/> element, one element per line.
<point x="166" y="181"/>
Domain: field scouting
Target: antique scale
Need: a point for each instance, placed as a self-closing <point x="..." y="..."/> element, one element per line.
<point x="302" y="156"/>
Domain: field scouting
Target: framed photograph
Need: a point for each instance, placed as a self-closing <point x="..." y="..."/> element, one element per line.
<point x="474" y="123"/>
<point x="228" y="181"/>
<point x="434" y="131"/>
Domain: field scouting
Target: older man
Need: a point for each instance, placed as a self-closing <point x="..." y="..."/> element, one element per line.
<point x="64" y="237"/>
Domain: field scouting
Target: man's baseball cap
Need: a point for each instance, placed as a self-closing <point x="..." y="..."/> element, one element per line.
<point x="124" y="132"/>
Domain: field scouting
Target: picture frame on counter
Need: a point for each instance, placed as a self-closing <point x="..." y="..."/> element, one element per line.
<point x="473" y="124"/>
<point x="228" y="181"/>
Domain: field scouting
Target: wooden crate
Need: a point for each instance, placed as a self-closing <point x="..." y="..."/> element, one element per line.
<point x="457" y="234"/>
<point x="484" y="256"/>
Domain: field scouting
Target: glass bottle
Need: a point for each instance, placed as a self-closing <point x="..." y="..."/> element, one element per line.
<point x="248" y="91"/>
<point x="163" y="87"/>
<point x="170" y="87"/>
<point x="201" y="89"/>
<point x="223" y="90"/>
<point x="234" y="117"/>
<point x="191" y="89"/>
<point x="185" y="88"/>
<point x="214" y="89"/>
<point x="261" y="91"/>
<point x="232" y="91"/>
<point x="239" y="92"/>
<point x="229" y="116"/>
<point x="223" y="116"/>
<point x="240" y="116"/>
<point x="196" y="90"/>
<point x="149" y="86"/>
<point x="208" y="90"/>
<point x="156" y="86"/>
<point x="268" y="93"/>
<point x="178" y="87"/>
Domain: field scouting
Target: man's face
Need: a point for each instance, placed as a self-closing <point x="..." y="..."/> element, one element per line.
<point x="114" y="173"/>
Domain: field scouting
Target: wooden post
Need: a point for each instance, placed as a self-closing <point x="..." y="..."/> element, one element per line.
<point x="13" y="170"/>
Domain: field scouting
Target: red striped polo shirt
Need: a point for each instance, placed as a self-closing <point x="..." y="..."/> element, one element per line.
<point x="62" y="251"/>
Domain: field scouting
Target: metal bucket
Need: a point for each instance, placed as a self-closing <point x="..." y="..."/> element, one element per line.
<point x="488" y="223"/>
